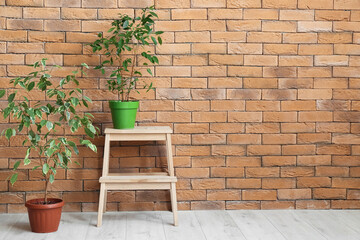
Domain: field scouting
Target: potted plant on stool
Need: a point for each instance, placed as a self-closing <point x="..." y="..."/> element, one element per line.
<point x="40" y="122"/>
<point x="121" y="48"/>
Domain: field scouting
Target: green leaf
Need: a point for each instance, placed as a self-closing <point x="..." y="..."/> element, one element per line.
<point x="85" y="65"/>
<point x="45" y="168"/>
<point x="149" y="71"/>
<point x="74" y="101"/>
<point x="13" y="178"/>
<point x="92" y="128"/>
<point x="27" y="161"/>
<point x="49" y="125"/>
<point x="43" y="61"/>
<point x="36" y="167"/>
<point x="73" y="145"/>
<point x="45" y="109"/>
<point x="31" y="86"/>
<point x="89" y="133"/>
<point x="160" y="40"/>
<point x="60" y="157"/>
<point x="9" y="133"/>
<point x="85" y="103"/>
<point x="16" y="165"/>
<point x="126" y="24"/>
<point x="43" y="123"/>
<point x="11" y="97"/>
<point x="92" y="147"/>
<point x="2" y="93"/>
<point x="87" y="99"/>
<point x="154" y="40"/>
<point x="51" y="178"/>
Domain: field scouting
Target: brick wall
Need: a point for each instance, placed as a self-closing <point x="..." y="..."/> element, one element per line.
<point x="263" y="97"/>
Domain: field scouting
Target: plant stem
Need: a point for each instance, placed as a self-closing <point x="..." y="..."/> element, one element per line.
<point x="132" y="71"/>
<point x="46" y="189"/>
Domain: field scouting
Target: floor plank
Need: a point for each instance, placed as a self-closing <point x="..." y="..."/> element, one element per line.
<point x="218" y="225"/>
<point x="254" y="225"/>
<point x="9" y="223"/>
<point x="113" y="227"/>
<point x="331" y="228"/>
<point x="189" y="227"/>
<point x="291" y="226"/>
<point x="144" y="226"/>
<point x="350" y="218"/>
<point x="197" y="225"/>
<point x="21" y="230"/>
<point x="72" y="226"/>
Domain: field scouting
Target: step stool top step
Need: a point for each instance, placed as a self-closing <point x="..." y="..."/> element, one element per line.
<point x="140" y="130"/>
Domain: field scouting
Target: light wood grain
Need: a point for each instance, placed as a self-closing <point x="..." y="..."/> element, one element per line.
<point x="188" y="229"/>
<point x="250" y="222"/>
<point x="195" y="225"/>
<point x="291" y="226"/>
<point x="141" y="129"/>
<point x="218" y="225"/>
<point x="328" y="227"/>
<point x="144" y="226"/>
<point x="133" y="181"/>
<point x="114" y="227"/>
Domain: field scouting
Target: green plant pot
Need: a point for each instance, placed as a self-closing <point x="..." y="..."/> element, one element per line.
<point x="123" y="113"/>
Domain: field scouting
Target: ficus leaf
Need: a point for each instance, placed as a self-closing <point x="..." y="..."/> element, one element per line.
<point x="31" y="86"/>
<point x="51" y="178"/>
<point x="45" y="168"/>
<point x="49" y="125"/>
<point x="13" y="178"/>
<point x="2" y="93"/>
<point x="11" y="97"/>
<point x="16" y="165"/>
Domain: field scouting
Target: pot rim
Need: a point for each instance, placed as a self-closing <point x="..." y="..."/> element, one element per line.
<point x="31" y="204"/>
<point x="119" y="101"/>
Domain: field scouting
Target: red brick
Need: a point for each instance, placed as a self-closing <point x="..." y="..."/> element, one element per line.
<point x="243" y="183"/>
<point x="208" y="161"/>
<point x="208" y="205"/>
<point x="235" y="205"/>
<point x="227" y="172"/>
<point x="273" y="161"/>
<point x="313" y="182"/>
<point x="326" y="193"/>
<point x="294" y="194"/>
<point x="278" y="183"/>
<point x="223" y="195"/>
<point x="262" y="172"/>
<point x="277" y="205"/>
<point x="243" y="162"/>
<point x="313" y="204"/>
<point x="259" y="195"/>
<point x="208" y="183"/>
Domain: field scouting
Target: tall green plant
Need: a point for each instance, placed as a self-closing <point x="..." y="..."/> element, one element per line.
<point x="39" y="121"/>
<point x="126" y="36"/>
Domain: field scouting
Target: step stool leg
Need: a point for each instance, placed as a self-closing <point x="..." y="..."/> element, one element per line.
<point x="105" y="201"/>
<point x="101" y="204"/>
<point x="174" y="202"/>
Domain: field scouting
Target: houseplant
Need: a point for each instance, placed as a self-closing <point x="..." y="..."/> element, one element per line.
<point x="123" y="47"/>
<point x="40" y="123"/>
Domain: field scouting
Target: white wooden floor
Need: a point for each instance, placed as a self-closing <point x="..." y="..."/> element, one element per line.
<point x="194" y="225"/>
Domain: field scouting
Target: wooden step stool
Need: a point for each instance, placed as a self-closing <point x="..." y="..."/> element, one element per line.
<point x="137" y="181"/>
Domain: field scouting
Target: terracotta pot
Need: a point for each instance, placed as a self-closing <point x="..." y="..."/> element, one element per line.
<point x="44" y="218"/>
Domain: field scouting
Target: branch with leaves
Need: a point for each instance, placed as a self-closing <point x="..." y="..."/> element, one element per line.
<point x="40" y="121"/>
<point x="126" y="36"/>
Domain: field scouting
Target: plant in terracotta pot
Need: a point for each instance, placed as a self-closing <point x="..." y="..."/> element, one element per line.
<point x="43" y="125"/>
<point x="123" y="48"/>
